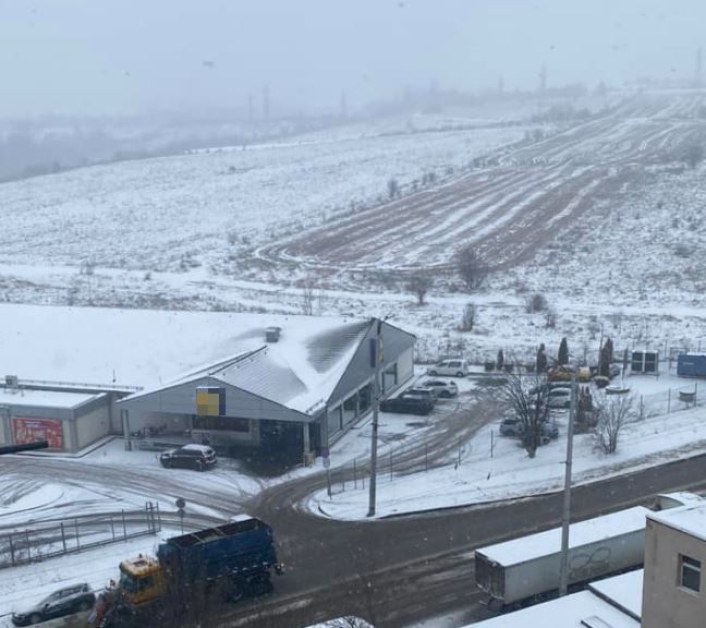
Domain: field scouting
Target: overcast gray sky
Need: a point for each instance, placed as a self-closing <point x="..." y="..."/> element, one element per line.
<point x="122" y="56"/>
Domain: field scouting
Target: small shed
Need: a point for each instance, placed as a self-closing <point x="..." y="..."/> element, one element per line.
<point x="645" y="362"/>
<point x="691" y="365"/>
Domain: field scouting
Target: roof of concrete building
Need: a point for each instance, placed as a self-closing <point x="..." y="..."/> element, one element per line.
<point x="44" y="398"/>
<point x="690" y="519"/>
<point x="578" y="610"/>
<point x="299" y="371"/>
<point x="623" y="591"/>
<point x="149" y="348"/>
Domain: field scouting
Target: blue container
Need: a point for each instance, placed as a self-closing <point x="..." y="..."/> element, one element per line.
<point x="691" y="364"/>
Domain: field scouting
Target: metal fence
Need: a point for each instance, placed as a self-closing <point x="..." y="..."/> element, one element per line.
<point x="394" y="462"/>
<point x="75" y="535"/>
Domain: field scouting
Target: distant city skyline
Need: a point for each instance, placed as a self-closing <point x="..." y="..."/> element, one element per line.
<point x="109" y="57"/>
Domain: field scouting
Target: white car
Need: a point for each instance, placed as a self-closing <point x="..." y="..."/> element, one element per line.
<point x="443" y="387"/>
<point x="453" y="368"/>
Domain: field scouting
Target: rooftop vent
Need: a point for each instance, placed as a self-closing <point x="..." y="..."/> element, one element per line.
<point x="11" y="381"/>
<point x="272" y="334"/>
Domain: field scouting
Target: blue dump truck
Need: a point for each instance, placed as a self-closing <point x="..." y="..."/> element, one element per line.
<point x="192" y="575"/>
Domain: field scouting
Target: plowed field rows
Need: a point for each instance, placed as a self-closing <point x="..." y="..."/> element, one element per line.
<point x="509" y="209"/>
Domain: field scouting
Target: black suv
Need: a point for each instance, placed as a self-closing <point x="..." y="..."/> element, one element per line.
<point x="66" y="601"/>
<point x="196" y="457"/>
<point x="407" y="405"/>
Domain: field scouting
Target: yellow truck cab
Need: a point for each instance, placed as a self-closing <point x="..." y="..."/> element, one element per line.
<point x="141" y="580"/>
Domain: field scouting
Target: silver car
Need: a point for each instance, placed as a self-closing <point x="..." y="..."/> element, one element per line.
<point x="443" y="387"/>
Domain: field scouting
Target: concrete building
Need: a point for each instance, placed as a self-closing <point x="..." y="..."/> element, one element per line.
<point x="278" y="382"/>
<point x="674" y="594"/>
<point x="294" y="388"/>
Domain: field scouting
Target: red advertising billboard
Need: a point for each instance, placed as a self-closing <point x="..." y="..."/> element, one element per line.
<point x="32" y="430"/>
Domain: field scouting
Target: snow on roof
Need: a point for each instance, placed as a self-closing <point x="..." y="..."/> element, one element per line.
<point x="149" y="348"/>
<point x="623" y="591"/>
<point x="689" y="519"/>
<point x="529" y="547"/>
<point x="579" y="610"/>
<point x="44" y="398"/>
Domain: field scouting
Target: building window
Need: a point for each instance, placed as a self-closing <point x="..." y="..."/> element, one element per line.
<point x="689" y="573"/>
<point x="365" y="395"/>
<point x="350" y="408"/>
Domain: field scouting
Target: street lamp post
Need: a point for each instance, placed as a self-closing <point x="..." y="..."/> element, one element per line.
<point x="375" y="356"/>
<point x="566" y="514"/>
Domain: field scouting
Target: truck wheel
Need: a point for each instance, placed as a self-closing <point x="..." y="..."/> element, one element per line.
<point x="432" y="373"/>
<point x="460" y="374"/>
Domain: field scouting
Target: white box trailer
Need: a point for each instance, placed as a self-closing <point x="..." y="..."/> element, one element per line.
<point x="522" y="568"/>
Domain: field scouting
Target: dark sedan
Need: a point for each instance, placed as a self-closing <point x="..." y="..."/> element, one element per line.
<point x="66" y="601"/>
<point x="407" y="405"/>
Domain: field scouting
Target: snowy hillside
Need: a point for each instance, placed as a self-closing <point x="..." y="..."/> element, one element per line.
<point x="602" y="216"/>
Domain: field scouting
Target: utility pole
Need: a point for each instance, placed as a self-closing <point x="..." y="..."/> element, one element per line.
<point x="566" y="514"/>
<point x="375" y="357"/>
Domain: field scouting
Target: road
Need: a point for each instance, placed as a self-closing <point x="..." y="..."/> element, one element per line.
<point x="395" y="571"/>
<point x="399" y="571"/>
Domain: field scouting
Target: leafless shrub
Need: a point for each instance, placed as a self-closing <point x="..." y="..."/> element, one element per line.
<point x="693" y="154"/>
<point x="308" y="296"/>
<point x="682" y="250"/>
<point x="530" y="408"/>
<point x="536" y="302"/>
<point x="613" y="415"/>
<point x="551" y="318"/>
<point x="471" y="267"/>
<point x="393" y="188"/>
<point x="419" y="285"/>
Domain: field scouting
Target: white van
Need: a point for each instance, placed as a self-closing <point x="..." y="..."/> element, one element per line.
<point x="452" y="368"/>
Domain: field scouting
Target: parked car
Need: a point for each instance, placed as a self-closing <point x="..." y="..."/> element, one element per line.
<point x="565" y="373"/>
<point x="613" y="371"/>
<point x="559" y="398"/>
<point x="550" y="386"/>
<point x="453" y="368"/>
<point x="515" y="427"/>
<point x="443" y="387"/>
<point x="66" y="601"/>
<point x="422" y="392"/>
<point x="196" y="457"/>
<point x="407" y="405"/>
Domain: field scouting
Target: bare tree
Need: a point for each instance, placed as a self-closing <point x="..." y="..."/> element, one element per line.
<point x="419" y="285"/>
<point x="308" y="297"/>
<point x="536" y="302"/>
<point x="613" y="415"/>
<point x="468" y="319"/>
<point x="530" y="404"/>
<point x="694" y="154"/>
<point x="471" y="267"/>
